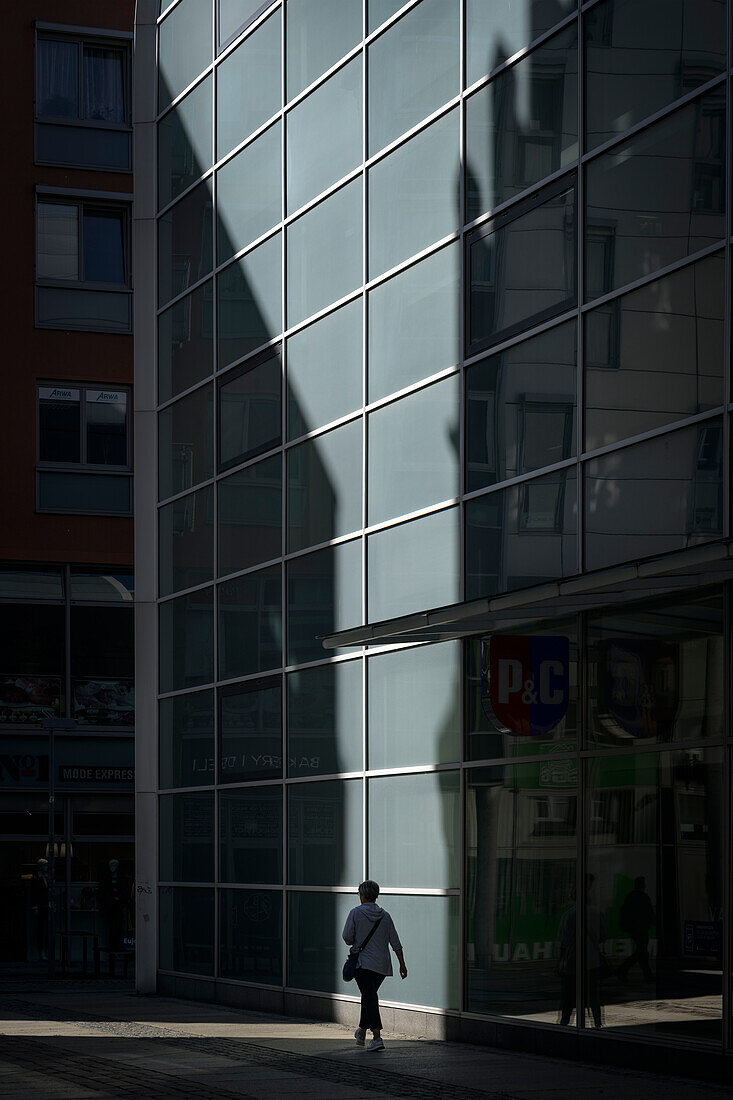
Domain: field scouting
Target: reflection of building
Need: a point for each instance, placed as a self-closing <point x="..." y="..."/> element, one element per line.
<point x="66" y="584"/>
<point x="446" y="367"/>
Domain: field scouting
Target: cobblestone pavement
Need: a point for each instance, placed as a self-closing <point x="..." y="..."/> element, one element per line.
<point x="83" y="1041"/>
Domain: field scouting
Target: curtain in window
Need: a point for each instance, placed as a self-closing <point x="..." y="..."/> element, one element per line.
<point x="58" y="241"/>
<point x="104" y="84"/>
<point x="57" y="68"/>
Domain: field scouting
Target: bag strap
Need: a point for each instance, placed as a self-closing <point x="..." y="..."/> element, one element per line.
<point x="372" y="930"/>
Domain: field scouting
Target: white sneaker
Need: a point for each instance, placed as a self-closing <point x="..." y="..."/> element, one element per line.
<point x="376" y="1044"/>
<point x="360" y="1037"/>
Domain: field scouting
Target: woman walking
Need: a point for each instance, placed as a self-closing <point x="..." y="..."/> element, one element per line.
<point x="369" y="931"/>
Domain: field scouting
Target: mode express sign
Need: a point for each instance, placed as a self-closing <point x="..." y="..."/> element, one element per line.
<point x="525" y="682"/>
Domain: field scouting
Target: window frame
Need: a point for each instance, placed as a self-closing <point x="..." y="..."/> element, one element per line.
<point x="82" y="37"/>
<point x="83" y="467"/>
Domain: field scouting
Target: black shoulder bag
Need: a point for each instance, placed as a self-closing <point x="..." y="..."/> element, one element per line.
<point x="352" y="959"/>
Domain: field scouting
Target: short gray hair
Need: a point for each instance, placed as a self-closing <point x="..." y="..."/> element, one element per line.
<point x="369" y="890"/>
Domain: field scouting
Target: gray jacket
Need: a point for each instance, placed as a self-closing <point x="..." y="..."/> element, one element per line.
<point x="375" y="955"/>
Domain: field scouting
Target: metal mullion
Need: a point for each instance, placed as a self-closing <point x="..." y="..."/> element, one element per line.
<point x="215" y="547"/>
<point x="727" y="312"/>
<point x="727" y="839"/>
<point x="580" y="324"/>
<point x="365" y="444"/>
<point x="284" y="914"/>
<point x="580" y="821"/>
<point x="67" y="638"/>
<point x="462" y="388"/>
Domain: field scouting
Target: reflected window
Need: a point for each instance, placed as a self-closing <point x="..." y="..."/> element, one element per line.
<point x="522" y="126"/>
<point x="250" y="935"/>
<point x="186" y="542"/>
<point x="523" y="535"/>
<point x="325" y="833"/>
<point x="325" y="719"/>
<point x="250" y="834"/>
<point x="496" y="31"/>
<point x="185" y="242"/>
<point x="640" y="57"/>
<point x="522" y="267"/>
<point x="185" y="443"/>
<point x="250" y="516"/>
<point x="249" y="301"/>
<point x="656" y="198"/>
<point x="250" y="623"/>
<point x="324" y="487"/>
<point x="186" y="342"/>
<point x="184" y="143"/>
<point x="186" y="740"/>
<point x="324" y="596"/>
<point x="186" y="851"/>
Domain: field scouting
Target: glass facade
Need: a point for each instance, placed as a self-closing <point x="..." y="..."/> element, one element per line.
<point x="469" y="263"/>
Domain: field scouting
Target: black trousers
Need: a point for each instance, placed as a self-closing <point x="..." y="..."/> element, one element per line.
<point x="369" y="982"/>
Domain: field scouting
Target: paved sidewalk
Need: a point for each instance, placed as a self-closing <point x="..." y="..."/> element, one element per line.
<point x="82" y="1043"/>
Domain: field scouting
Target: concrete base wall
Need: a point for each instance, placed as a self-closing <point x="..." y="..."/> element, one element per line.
<point x="606" y="1048"/>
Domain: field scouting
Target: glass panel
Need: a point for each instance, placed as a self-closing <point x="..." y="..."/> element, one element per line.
<point x="83" y="146"/>
<point x="21" y="584"/>
<point x="186" y="740"/>
<point x="249" y="194"/>
<point x="325" y="135"/>
<point x="674" y="173"/>
<point x="324" y="365"/>
<point x="106" y="417"/>
<point x="187" y="837"/>
<point x="324" y="487"/>
<point x="520" y="408"/>
<point x="32" y="642"/>
<point x="57" y="79"/>
<point x="250" y="935"/>
<point x="250" y="516"/>
<point x="104" y="249"/>
<point x="186" y="931"/>
<point x="84" y="493"/>
<point x="325" y="253"/>
<point x="251" y="735"/>
<point x="521" y="828"/>
<point x="414" y="827"/>
<point x="414" y="451"/>
<point x="656" y="672"/>
<point x="184" y="143"/>
<point x="103" y="77"/>
<point x="656" y="355"/>
<point x="325" y="720"/>
<point x="655" y="497"/>
<point x="414" y="323"/>
<point x="249" y="411"/>
<point x="233" y="16"/>
<point x="655" y="893"/>
<point x="380" y="10"/>
<point x="414" y="566"/>
<point x="325" y="833"/>
<point x="523" y="270"/>
<point x="413" y="70"/>
<point x="185" y="343"/>
<point x="413" y="195"/>
<point x="496" y="31"/>
<point x="414" y="706"/>
<point x="59" y="424"/>
<point x="324" y="595"/>
<point x="315" y="947"/>
<point x="57" y="244"/>
<point x="186" y="542"/>
<point x="185" y="443"/>
<point x="250" y="624"/>
<point x="641" y="57"/>
<point x="317" y="36"/>
<point x="186" y="639"/>
<point x="251" y="835"/>
<point x="523" y="125"/>
<point x="185" y="243"/>
<point x="102" y="641"/>
<point x="248" y="86"/>
<point x="523" y="535"/>
<point x="185" y="47"/>
<point x="431" y="926"/>
<point x="109" y="587"/>
<point x="498" y="668"/>
<point x="249" y="301"/>
<point x="90" y="310"/>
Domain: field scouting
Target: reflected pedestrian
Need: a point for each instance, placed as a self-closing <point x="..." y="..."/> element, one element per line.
<point x="636" y="918"/>
<point x="370" y="931"/>
<point x="596" y="964"/>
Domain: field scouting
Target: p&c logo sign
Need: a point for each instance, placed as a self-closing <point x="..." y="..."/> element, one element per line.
<point x="525" y="682"/>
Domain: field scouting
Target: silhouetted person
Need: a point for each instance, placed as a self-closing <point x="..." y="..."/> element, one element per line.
<point x="114" y="894"/>
<point x="636" y="918"/>
<point x="375" y="963"/>
<point x="39" y="906"/>
<point x="595" y="960"/>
